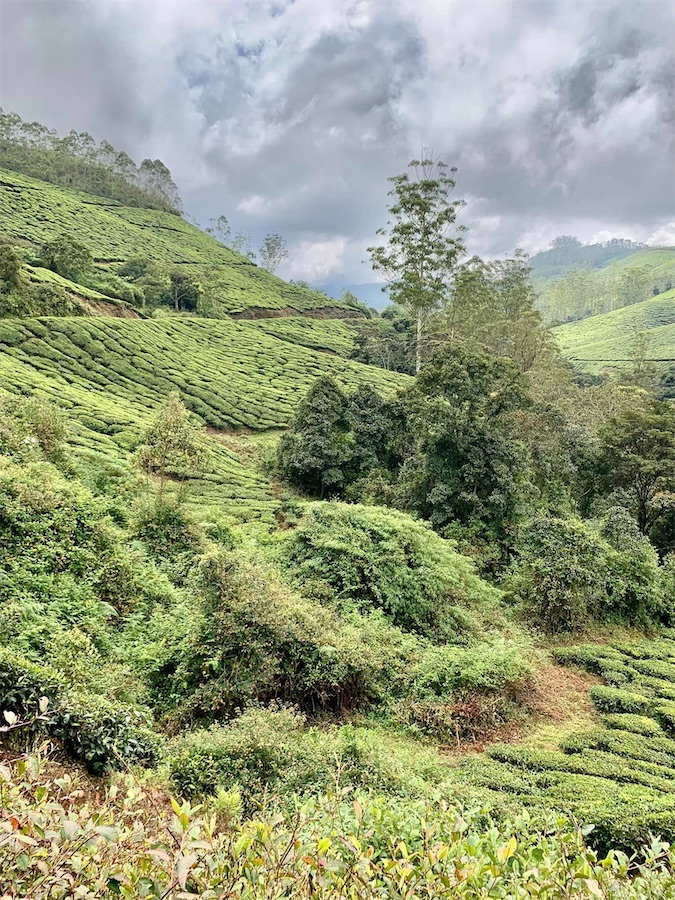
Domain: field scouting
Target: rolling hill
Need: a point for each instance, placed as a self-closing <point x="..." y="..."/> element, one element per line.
<point x="112" y="374"/>
<point x="33" y="211"/>
<point x="604" y="342"/>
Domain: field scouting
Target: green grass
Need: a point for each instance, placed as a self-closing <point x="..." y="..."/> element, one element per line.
<point x="112" y="374"/>
<point x="33" y="211"/>
<point x="605" y="341"/>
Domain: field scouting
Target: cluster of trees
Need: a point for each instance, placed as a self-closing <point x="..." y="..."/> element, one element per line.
<point x="583" y="292"/>
<point x="481" y="450"/>
<point x="20" y="297"/>
<point x="77" y="161"/>
<point x="442" y="298"/>
<point x="271" y="254"/>
<point x="140" y="281"/>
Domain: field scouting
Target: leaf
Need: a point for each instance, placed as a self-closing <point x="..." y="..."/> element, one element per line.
<point x="183" y="867"/>
<point x="506" y="851"/>
<point x="108" y="834"/>
<point x="43" y="705"/>
<point x="10" y="717"/>
<point x="70" y="829"/>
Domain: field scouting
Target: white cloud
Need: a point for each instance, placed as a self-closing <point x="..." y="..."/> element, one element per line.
<point x="315" y="260"/>
<point x="663" y="236"/>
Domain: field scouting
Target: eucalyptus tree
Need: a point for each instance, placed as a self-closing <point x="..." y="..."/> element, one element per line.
<point x="422" y="242"/>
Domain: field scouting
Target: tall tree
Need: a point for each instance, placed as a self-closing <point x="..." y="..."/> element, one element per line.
<point x="422" y="244"/>
<point x="273" y="252"/>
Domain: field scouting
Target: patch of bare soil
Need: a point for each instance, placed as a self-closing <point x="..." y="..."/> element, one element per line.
<point x="102" y="308"/>
<point x="557" y="704"/>
<point x="321" y="312"/>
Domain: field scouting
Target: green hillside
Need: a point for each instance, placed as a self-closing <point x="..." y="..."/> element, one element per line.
<point x="606" y="341"/>
<point x="33" y="212"/>
<point x="112" y="374"/>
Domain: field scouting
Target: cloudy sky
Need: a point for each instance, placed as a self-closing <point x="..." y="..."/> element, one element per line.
<point x="288" y="115"/>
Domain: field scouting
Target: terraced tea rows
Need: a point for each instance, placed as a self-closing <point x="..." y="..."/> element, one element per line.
<point x="111" y="375"/>
<point x="607" y="340"/>
<point x="34" y="211"/>
<point x="619" y="776"/>
<point x="319" y="334"/>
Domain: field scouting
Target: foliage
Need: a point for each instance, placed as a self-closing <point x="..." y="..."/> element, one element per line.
<point x="273" y="252"/>
<point x="385" y="340"/>
<point x="257" y="640"/>
<point x="67" y="257"/>
<point x="336" y="846"/>
<point x="315" y="451"/>
<point x="638" y="452"/>
<point x="274" y="751"/>
<point x="78" y="163"/>
<point x="606" y="343"/>
<point x="567" y="574"/>
<point x="171" y="443"/>
<point x="373" y="558"/>
<point x="492" y="303"/>
<point x="468" y="464"/>
<point x="420" y="254"/>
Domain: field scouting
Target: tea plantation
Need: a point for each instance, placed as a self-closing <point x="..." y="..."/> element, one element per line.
<point x="33" y="212"/>
<point x="112" y="374"/>
<point x="604" y="341"/>
<point x="618" y="776"/>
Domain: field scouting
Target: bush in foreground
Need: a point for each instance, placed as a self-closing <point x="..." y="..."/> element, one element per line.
<point x="128" y="844"/>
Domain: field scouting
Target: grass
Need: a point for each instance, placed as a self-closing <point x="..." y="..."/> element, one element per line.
<point x="32" y="212"/>
<point x="599" y="342"/>
<point x="112" y="374"/>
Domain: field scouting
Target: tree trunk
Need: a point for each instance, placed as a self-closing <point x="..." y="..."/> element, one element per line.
<point x="418" y="344"/>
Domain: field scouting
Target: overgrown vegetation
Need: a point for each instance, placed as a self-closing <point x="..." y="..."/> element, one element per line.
<point x="293" y="587"/>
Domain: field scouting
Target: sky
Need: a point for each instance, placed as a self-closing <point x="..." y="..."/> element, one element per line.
<point x="288" y="116"/>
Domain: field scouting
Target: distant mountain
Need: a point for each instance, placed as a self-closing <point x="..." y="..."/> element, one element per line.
<point x="370" y="293"/>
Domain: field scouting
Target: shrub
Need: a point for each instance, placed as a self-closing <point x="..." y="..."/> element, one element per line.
<point x="372" y="558"/>
<point x="104" y="735"/>
<point x="258" y="640"/>
<point x="642" y="725"/>
<point x="271" y="750"/>
<point x="23" y="683"/>
<point x="613" y="700"/>
<point x="559" y="572"/>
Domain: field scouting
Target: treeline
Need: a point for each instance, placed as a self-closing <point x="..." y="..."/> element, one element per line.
<point x="76" y="161"/>
<point x="583" y="292"/>
<point x="567" y="251"/>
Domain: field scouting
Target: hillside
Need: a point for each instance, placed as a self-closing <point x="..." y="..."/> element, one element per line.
<point x="604" y="342"/>
<point x="111" y="375"/>
<point x="33" y="211"/>
<point x="582" y="291"/>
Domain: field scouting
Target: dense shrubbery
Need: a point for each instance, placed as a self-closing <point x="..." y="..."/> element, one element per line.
<point x="567" y="573"/>
<point x="368" y="558"/>
<point x="275" y="752"/>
